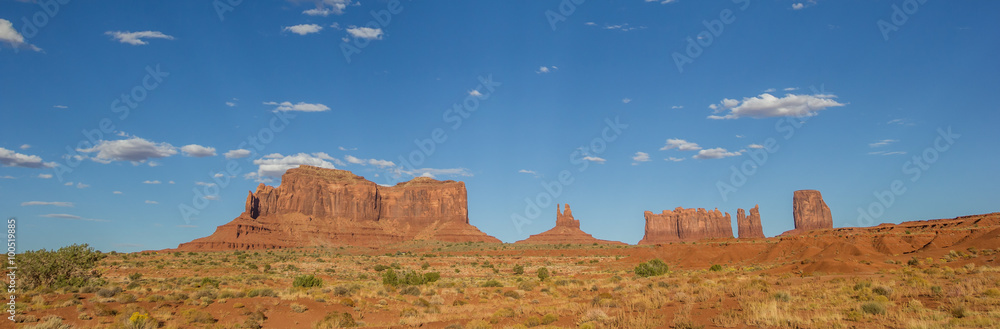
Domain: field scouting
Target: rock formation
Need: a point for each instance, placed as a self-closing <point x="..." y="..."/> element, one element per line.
<point x="810" y="212"/>
<point x="686" y="225"/>
<point x="320" y="207"/>
<point x="567" y="230"/>
<point x="749" y="226"/>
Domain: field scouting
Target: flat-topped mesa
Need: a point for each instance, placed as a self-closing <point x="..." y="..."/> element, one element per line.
<point x="567" y="230"/>
<point x="318" y="207"/>
<point x="749" y="227"/>
<point x="686" y="225"/>
<point x="809" y="211"/>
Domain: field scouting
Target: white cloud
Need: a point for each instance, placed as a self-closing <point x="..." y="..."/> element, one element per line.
<point x="673" y="159"/>
<point x="640" y="157"/>
<point x="116" y="192"/>
<point x="275" y="165"/>
<point x="755" y="146"/>
<point x="530" y="172"/>
<point x="25" y="146"/>
<point x="716" y="153"/>
<point x="347" y="149"/>
<point x="365" y="32"/>
<point x="197" y="151"/>
<point x="45" y="176"/>
<point x="662" y="2"/>
<point x="680" y="144"/>
<point x="219" y="175"/>
<point x="326" y="7"/>
<point x="622" y="27"/>
<point x="10" y="35"/>
<point x="626" y="100"/>
<point x="237" y="154"/>
<point x="546" y="69"/>
<point x="68" y="184"/>
<point x="10" y="158"/>
<point x="676" y="107"/>
<point x="151" y="182"/>
<point x="770" y="90"/>
<point x="134" y="149"/>
<point x="73" y="217"/>
<point x="798" y="6"/>
<point x="766" y="105"/>
<point x="303" y="29"/>
<point x="475" y="93"/>
<point x="433" y="172"/>
<point x="60" y="106"/>
<point x="171" y="182"/>
<point x="381" y="163"/>
<point x="300" y="107"/>
<point x="136" y="38"/>
<point x="230" y="104"/>
<point x="887" y="153"/>
<point x="353" y="160"/>
<point x="883" y="142"/>
<point x="47" y="203"/>
<point x="594" y="159"/>
<point x="791" y="88"/>
<point x="318" y="12"/>
<point x="740" y="136"/>
<point x="211" y="197"/>
<point x="9" y="177"/>
<point x="151" y="202"/>
<point x="82" y="185"/>
<point x="204" y="184"/>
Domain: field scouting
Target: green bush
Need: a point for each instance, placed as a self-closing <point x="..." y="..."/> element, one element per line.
<point x="69" y="266"/>
<point x="391" y="278"/>
<point x="543" y="273"/>
<point x="307" y="281"/>
<point x="715" y="268"/>
<point x="491" y="283"/>
<point x="873" y="308"/>
<point x="518" y="269"/>
<point x="653" y="267"/>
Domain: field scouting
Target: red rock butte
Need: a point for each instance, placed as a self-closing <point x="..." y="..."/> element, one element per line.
<point x="749" y="227"/>
<point x="809" y="212"/>
<point x="683" y="225"/>
<point x="322" y="207"/>
<point x="567" y="230"/>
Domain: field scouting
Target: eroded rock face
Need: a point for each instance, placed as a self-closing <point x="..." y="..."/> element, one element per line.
<point x="749" y="227"/>
<point x="567" y="230"/>
<point x="810" y="212"/>
<point x="318" y="207"/>
<point x="686" y="225"/>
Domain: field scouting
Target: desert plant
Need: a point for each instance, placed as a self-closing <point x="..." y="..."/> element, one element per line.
<point x="518" y="269"/>
<point x="653" y="267"/>
<point x="307" y="281"/>
<point x="69" y="266"/>
<point x="715" y="268"/>
<point x="543" y="273"/>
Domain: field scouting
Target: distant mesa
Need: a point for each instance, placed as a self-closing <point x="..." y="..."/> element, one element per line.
<point x="567" y="230"/>
<point x="326" y="207"/>
<point x="810" y="212"/>
<point x="684" y="225"/>
<point x="749" y="227"/>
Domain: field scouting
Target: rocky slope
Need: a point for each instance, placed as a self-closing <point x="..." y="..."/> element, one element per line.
<point x="749" y="227"/>
<point x="321" y="207"/>
<point x="567" y="230"/>
<point x="686" y="225"/>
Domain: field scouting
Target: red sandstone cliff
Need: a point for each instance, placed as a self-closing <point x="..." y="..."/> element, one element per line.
<point x="749" y="227"/>
<point x="567" y="230"/>
<point x="319" y="207"/>
<point x="686" y="225"/>
<point x="810" y="212"/>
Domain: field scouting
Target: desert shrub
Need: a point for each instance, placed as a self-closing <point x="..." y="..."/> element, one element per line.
<point x="425" y="265"/>
<point x="141" y="321"/>
<point x="69" y="266"/>
<point x="873" y="308"/>
<point x="104" y="310"/>
<point x="543" y="273"/>
<point x="512" y="294"/>
<point x="109" y="292"/>
<point x="410" y="290"/>
<point x="208" y="282"/>
<point x="380" y="268"/>
<point x="298" y="308"/>
<point x="197" y="316"/>
<point x="518" y="269"/>
<point x="307" y="281"/>
<point x="715" y="268"/>
<point x="653" y="267"/>
<point x="959" y="311"/>
<point x="262" y="292"/>
<point x="491" y="283"/>
<point x="549" y="319"/>
<point x="782" y="296"/>
<point x="347" y="302"/>
<point x="882" y="290"/>
<point x="391" y="278"/>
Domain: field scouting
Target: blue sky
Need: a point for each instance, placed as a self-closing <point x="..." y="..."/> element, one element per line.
<point x="185" y="90"/>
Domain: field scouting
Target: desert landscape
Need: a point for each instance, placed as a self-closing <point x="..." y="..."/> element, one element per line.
<point x="329" y="249"/>
<point x="508" y="164"/>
